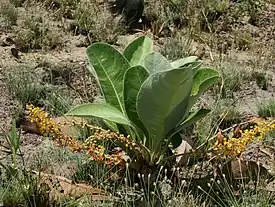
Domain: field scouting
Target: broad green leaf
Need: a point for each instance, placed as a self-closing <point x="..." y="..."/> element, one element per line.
<point x="111" y="125"/>
<point x="161" y="102"/>
<point x="183" y="61"/>
<point x="204" y="78"/>
<point x="156" y="62"/>
<point x="133" y="132"/>
<point x="109" y="66"/>
<point x="92" y="71"/>
<point x="133" y="79"/>
<point x="138" y="49"/>
<point x="192" y="118"/>
<point x="195" y="116"/>
<point x="103" y="111"/>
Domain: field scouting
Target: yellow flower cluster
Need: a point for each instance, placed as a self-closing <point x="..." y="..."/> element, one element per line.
<point x="96" y="152"/>
<point x="114" y="136"/>
<point x="43" y="122"/>
<point x="48" y="127"/>
<point x="235" y="146"/>
<point x="107" y="135"/>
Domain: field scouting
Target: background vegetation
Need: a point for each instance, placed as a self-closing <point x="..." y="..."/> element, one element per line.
<point x="43" y="62"/>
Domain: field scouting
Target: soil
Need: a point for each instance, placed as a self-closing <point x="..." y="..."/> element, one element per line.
<point x="72" y="55"/>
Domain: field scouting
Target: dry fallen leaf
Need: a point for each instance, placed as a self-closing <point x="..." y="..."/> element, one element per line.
<point x="67" y="129"/>
<point x="247" y="170"/>
<point x="183" y="148"/>
<point x="60" y="187"/>
<point x="255" y="119"/>
<point x="30" y="127"/>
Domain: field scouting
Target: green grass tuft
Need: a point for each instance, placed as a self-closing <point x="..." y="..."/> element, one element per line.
<point x="267" y="108"/>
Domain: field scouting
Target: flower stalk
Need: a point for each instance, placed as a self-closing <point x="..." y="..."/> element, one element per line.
<point x="48" y="127"/>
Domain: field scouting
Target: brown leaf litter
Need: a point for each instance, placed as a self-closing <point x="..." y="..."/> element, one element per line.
<point x="60" y="187"/>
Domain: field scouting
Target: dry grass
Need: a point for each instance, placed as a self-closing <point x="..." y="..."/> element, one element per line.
<point x="213" y="30"/>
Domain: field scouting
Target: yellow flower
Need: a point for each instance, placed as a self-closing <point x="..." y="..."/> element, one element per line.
<point x="48" y="127"/>
<point x="235" y="146"/>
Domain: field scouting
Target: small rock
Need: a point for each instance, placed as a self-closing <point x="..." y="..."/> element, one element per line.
<point x="15" y="53"/>
<point x="6" y="41"/>
<point x="271" y="186"/>
<point x="81" y="42"/>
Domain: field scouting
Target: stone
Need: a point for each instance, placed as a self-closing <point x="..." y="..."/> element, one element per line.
<point x="130" y="10"/>
<point x="6" y="41"/>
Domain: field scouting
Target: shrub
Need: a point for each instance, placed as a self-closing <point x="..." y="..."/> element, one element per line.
<point x="91" y="20"/>
<point x="17" y="3"/>
<point x="25" y="86"/>
<point x="243" y="40"/>
<point x="146" y="96"/>
<point x="9" y="14"/>
<point x="267" y="109"/>
<point x="177" y="46"/>
<point x="36" y="34"/>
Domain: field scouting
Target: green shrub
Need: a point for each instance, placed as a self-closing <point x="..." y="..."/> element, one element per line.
<point x="267" y="108"/>
<point x="18" y="186"/>
<point x="26" y="87"/>
<point x="36" y="34"/>
<point x="252" y="8"/>
<point x="9" y="14"/>
<point x="63" y="8"/>
<point x="234" y="76"/>
<point x="243" y="40"/>
<point x="18" y="3"/>
<point x="261" y="80"/>
<point x="146" y="95"/>
<point x="91" y="20"/>
<point x="177" y="46"/>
